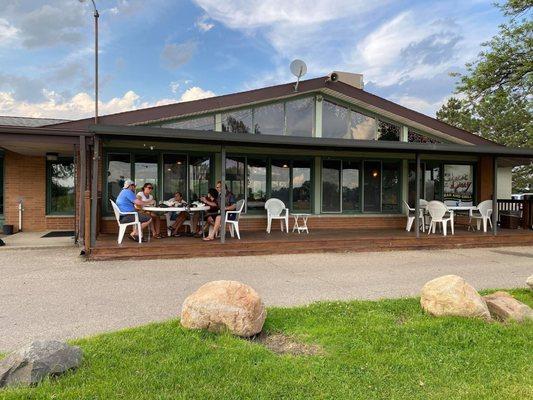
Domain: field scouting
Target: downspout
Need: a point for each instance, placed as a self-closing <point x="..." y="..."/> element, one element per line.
<point x="21" y="209"/>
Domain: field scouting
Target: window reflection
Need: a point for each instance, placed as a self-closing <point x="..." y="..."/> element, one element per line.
<point x="334" y="121"/>
<point x="390" y="197"/>
<point x="281" y="180"/>
<point x="206" y="123"/>
<point x="62" y="196"/>
<point x="301" y="185"/>
<point x="350" y="185"/>
<point x="118" y="170"/>
<point x="300" y="116"/>
<point x="235" y="176"/>
<point x="269" y="119"/>
<point x="331" y="173"/>
<point x="372" y="186"/>
<point x="174" y="175"/>
<point x="146" y="171"/>
<point x="362" y="127"/>
<point x="237" y="121"/>
<point x="387" y="131"/>
<point x="415" y="137"/>
<point x="199" y="174"/>
<point x="257" y="184"/>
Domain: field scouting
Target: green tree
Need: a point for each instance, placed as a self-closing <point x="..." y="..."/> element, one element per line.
<point x="494" y="96"/>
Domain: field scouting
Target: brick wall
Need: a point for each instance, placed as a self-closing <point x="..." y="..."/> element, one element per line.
<point x="25" y="178"/>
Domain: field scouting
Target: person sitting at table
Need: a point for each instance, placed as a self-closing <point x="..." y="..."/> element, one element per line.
<point x="147" y="199"/>
<point x="126" y="202"/>
<point x="178" y="218"/>
<point x="230" y="205"/>
<point x="209" y="217"/>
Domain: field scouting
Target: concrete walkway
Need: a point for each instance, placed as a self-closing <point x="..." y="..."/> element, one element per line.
<point x="52" y="293"/>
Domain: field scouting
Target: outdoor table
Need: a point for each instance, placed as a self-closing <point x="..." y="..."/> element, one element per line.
<point x="470" y="209"/>
<point x="201" y="210"/>
<point x="300" y="222"/>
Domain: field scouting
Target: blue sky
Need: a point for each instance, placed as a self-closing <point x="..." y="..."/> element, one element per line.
<point x="161" y="51"/>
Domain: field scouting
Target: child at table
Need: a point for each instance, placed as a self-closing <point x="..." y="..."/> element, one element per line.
<point x="178" y="218"/>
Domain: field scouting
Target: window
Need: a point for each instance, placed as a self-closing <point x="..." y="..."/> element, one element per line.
<point x="206" y="123"/>
<point x="199" y="176"/>
<point x="145" y="171"/>
<point x="387" y="131"/>
<point x="118" y="170"/>
<point x="235" y="176"/>
<point x="419" y="138"/>
<point x="372" y="186"/>
<point x="237" y="121"/>
<point x="300" y="116"/>
<point x="301" y="185"/>
<point x="174" y="175"/>
<point x="61" y="196"/>
<point x="362" y="127"/>
<point x="280" y="180"/>
<point x="257" y="183"/>
<point x="458" y="183"/>
<point x="390" y="195"/>
<point x="269" y="119"/>
<point x="334" y="121"/>
<point x="350" y="186"/>
<point x="331" y="177"/>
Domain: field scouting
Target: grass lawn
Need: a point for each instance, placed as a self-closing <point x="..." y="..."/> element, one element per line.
<point x="385" y="349"/>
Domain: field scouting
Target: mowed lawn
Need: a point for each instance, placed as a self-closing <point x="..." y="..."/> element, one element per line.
<point x="385" y="349"/>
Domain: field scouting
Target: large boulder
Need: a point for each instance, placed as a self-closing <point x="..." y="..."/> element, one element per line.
<point x="29" y="365"/>
<point x="451" y="295"/>
<point x="504" y="307"/>
<point x="224" y="305"/>
<point x="529" y="282"/>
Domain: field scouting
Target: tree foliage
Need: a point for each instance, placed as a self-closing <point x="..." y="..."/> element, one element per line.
<point x="495" y="95"/>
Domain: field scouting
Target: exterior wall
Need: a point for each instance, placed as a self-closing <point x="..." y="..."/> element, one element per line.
<point x="25" y="179"/>
<point x="484" y="179"/>
<point x="505" y="182"/>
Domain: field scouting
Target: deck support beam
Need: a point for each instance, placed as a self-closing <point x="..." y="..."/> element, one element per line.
<point x="417" y="199"/>
<point x="495" y="196"/>
<point x="223" y="195"/>
<point x="81" y="190"/>
<point x="94" y="189"/>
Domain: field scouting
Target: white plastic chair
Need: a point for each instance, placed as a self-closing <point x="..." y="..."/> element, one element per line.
<point x="484" y="213"/>
<point x="234" y="224"/>
<point x="411" y="217"/>
<point x="438" y="213"/>
<point x="122" y="226"/>
<point x="276" y="210"/>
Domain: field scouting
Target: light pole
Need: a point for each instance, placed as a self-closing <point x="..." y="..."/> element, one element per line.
<point x="96" y="15"/>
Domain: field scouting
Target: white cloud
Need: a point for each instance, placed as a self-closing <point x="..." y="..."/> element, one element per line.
<point x="203" y="23"/>
<point x="196" y="93"/>
<point x="174" y="86"/>
<point x="7" y="31"/>
<point x="420" y="104"/>
<point x="174" y="55"/>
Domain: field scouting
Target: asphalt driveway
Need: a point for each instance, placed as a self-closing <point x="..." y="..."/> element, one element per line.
<point x="51" y="293"/>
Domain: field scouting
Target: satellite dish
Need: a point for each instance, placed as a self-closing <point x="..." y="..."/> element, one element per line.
<point x="298" y="69"/>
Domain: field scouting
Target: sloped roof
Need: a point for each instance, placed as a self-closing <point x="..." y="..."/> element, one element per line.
<point x="29" y="121"/>
<point x="350" y="93"/>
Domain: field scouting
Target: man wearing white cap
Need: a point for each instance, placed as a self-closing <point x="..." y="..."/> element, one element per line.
<point x="126" y="201"/>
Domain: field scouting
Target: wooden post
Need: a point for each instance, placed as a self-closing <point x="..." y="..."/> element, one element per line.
<point x="81" y="190"/>
<point x="223" y="196"/>
<point x="417" y="200"/>
<point x="495" y="196"/>
<point x="94" y="190"/>
<point x="87" y="221"/>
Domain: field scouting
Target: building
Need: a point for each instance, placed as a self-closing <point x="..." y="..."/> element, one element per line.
<point x="330" y="149"/>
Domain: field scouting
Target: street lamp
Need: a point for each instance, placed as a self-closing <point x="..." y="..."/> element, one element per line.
<point x="96" y="15"/>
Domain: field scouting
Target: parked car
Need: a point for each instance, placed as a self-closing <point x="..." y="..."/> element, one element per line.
<point x="521" y="196"/>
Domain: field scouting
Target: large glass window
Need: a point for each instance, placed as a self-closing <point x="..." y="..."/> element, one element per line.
<point x="331" y="175"/>
<point x="387" y="131"/>
<point x="300" y="116"/>
<point x="206" y="123"/>
<point x="146" y="171"/>
<point x="269" y="119"/>
<point x="61" y="195"/>
<point x="458" y="183"/>
<point x="280" y="180"/>
<point x="174" y="175"/>
<point x="235" y="176"/>
<point x="199" y="176"/>
<point x="334" y="121"/>
<point x="350" y="186"/>
<point x="390" y="196"/>
<point x="257" y="184"/>
<point x="301" y="185"/>
<point x="372" y="186"/>
<point x="362" y="127"/>
<point x="118" y="170"/>
<point x="237" y="121"/>
<point x="416" y="137"/>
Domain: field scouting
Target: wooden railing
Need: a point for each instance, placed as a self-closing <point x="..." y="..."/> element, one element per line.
<point x="520" y="208"/>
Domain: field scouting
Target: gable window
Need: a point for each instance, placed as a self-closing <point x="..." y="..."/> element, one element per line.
<point x="415" y="137"/>
<point x="388" y="131"/>
<point x="362" y="127"/>
<point x="335" y="121"/>
<point x="205" y="123"/>
<point x="269" y="119"/>
<point x="300" y="117"/>
<point x="237" y="121"/>
<point x="60" y="187"/>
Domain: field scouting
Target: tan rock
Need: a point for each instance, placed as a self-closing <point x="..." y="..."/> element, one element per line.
<point x="504" y="307"/>
<point x="220" y="305"/>
<point x="530" y="282"/>
<point x="452" y="295"/>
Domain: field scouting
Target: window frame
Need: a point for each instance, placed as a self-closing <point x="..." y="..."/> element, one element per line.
<point x="48" y="207"/>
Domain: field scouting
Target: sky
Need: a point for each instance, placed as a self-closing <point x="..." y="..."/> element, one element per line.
<point x="155" y="52"/>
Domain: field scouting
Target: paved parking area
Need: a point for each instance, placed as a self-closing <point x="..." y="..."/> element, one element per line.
<point x="52" y="293"/>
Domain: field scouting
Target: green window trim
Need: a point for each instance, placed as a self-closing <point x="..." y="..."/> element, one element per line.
<point x="49" y="201"/>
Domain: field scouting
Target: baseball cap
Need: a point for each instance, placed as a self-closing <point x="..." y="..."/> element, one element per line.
<point x="128" y="183"/>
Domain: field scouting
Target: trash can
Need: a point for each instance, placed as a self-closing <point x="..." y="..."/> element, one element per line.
<point x="7" y="229"/>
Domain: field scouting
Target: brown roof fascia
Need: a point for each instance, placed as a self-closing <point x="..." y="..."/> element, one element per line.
<point x="43" y="131"/>
<point x="264" y="94"/>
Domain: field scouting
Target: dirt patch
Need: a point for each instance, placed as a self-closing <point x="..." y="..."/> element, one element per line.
<point x="280" y="343"/>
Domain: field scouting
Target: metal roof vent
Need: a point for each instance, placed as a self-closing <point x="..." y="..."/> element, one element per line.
<point x="355" y="80"/>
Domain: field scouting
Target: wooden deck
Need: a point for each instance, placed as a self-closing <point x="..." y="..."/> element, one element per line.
<point x="317" y="241"/>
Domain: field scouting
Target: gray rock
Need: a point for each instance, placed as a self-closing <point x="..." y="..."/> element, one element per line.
<point x="530" y="282"/>
<point x="504" y="307"/>
<point x="29" y="365"/>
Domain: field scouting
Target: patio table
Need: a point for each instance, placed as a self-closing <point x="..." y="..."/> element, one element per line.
<point x="200" y="209"/>
<point x="300" y="222"/>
